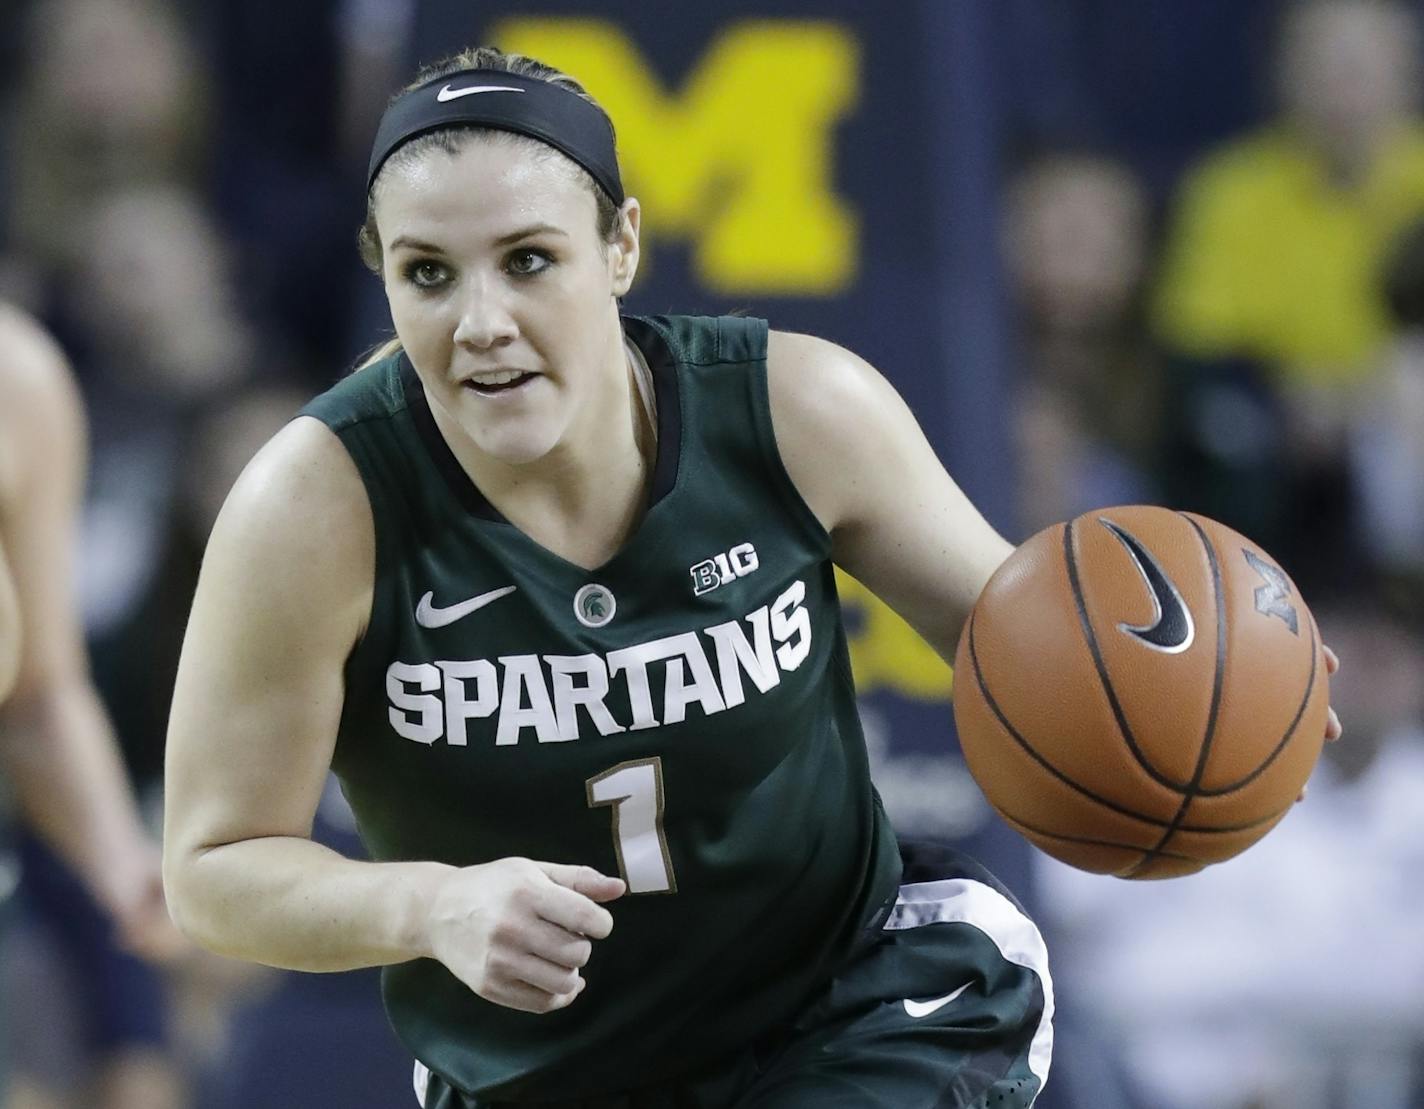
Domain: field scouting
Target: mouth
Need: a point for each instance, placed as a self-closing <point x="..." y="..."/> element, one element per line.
<point x="493" y="384"/>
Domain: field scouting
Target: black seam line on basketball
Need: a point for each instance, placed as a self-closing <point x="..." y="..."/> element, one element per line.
<point x="1042" y="761"/>
<point x="1121" y="717"/>
<point x="1217" y="681"/>
<point x="1089" y="841"/>
<point x="1285" y="739"/>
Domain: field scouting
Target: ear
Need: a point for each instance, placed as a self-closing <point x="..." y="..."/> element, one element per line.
<point x="623" y="250"/>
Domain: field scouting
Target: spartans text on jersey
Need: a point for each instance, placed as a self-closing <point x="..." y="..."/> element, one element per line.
<point x="434" y="700"/>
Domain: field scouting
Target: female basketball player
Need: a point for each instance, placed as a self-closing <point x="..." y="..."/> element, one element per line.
<point x="551" y="589"/>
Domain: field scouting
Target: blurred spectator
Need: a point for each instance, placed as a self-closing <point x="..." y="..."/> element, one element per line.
<point x="1269" y="299"/>
<point x="1077" y="243"/>
<point x="1290" y="977"/>
<point x="136" y="653"/>
<point x="109" y="97"/>
<point x="150" y="316"/>
<point x="1387" y="440"/>
<point x="289" y="155"/>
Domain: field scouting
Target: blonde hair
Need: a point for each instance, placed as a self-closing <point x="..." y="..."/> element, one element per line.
<point x="368" y="239"/>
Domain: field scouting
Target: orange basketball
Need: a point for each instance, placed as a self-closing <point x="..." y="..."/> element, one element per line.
<point x="1141" y="692"/>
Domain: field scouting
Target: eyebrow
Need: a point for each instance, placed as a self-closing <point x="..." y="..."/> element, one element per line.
<point x="529" y="232"/>
<point x="414" y="244"/>
<point x="504" y="240"/>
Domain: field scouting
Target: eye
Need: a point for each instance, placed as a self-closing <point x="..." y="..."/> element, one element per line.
<point x="425" y="274"/>
<point x="526" y="262"/>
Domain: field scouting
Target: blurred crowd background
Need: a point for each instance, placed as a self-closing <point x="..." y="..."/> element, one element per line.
<point x="1163" y="251"/>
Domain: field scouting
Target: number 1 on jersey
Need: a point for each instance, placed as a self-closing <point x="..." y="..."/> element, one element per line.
<point x="635" y="790"/>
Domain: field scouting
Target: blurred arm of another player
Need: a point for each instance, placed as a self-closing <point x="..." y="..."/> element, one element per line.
<point x="57" y="750"/>
<point x="898" y="522"/>
<point x="284" y="595"/>
<point x="9" y="628"/>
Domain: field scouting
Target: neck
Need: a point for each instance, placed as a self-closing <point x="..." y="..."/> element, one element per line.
<point x="586" y="496"/>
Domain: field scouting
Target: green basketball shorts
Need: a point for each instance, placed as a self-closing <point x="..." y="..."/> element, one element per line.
<point x="948" y="1005"/>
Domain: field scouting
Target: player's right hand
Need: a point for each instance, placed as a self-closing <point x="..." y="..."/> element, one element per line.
<point x="517" y="932"/>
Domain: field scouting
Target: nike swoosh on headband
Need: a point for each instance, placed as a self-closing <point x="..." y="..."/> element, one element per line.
<point x="447" y="93"/>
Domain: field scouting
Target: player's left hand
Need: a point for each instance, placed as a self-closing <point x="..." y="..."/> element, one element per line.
<point x="1333" y="730"/>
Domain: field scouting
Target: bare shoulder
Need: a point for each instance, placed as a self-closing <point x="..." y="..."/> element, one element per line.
<point x="298" y="524"/>
<point x="815" y="380"/>
<point x="834" y="417"/>
<point x="33" y="369"/>
<point x="41" y="412"/>
<point x="304" y="471"/>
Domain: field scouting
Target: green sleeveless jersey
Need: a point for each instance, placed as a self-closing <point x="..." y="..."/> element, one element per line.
<point x="683" y="715"/>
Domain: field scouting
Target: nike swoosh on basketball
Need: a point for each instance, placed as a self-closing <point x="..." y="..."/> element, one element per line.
<point x="919" y="1009"/>
<point x="1171" y="630"/>
<point x="428" y="616"/>
<point x="447" y="93"/>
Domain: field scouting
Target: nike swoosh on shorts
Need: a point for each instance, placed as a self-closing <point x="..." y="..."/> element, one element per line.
<point x="925" y="1008"/>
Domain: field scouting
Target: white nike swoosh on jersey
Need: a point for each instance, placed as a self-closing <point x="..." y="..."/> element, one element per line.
<point x="925" y="1008"/>
<point x="447" y="93"/>
<point x="428" y="616"/>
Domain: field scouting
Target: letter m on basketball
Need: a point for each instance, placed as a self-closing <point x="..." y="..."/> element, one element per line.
<point x="1271" y="597"/>
<point x="739" y="158"/>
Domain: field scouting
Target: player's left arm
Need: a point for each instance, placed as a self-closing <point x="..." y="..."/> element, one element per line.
<point x="897" y="521"/>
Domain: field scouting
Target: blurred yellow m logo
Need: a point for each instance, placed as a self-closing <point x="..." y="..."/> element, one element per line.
<point x="740" y="159"/>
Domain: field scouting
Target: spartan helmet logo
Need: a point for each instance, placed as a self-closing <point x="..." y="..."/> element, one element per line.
<point x="594" y="605"/>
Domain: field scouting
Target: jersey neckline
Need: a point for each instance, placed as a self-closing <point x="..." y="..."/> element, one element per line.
<point x="659" y="357"/>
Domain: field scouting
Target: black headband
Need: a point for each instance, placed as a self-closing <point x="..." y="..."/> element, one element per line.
<point x="505" y="102"/>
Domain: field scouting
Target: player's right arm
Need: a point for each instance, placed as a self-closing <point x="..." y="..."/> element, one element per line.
<point x="283" y="598"/>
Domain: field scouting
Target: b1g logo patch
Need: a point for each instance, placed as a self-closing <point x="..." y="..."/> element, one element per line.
<point x="740" y="561"/>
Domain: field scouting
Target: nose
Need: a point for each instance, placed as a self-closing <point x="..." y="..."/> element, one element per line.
<point x="485" y="318"/>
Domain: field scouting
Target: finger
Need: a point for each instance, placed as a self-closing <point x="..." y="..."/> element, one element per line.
<point x="520" y="995"/>
<point x="585" y="880"/>
<point x="1333" y="729"/>
<point x="539" y="973"/>
<point x="558" y="945"/>
<point x="572" y="911"/>
<point x="1332" y="660"/>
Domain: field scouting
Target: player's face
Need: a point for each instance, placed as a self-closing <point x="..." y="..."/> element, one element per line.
<point x="504" y="295"/>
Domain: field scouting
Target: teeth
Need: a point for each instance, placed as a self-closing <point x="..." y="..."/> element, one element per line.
<point x="497" y="379"/>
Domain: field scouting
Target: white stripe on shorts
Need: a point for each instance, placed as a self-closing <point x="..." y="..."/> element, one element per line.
<point x="965" y="901"/>
<point x="421" y="1078"/>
